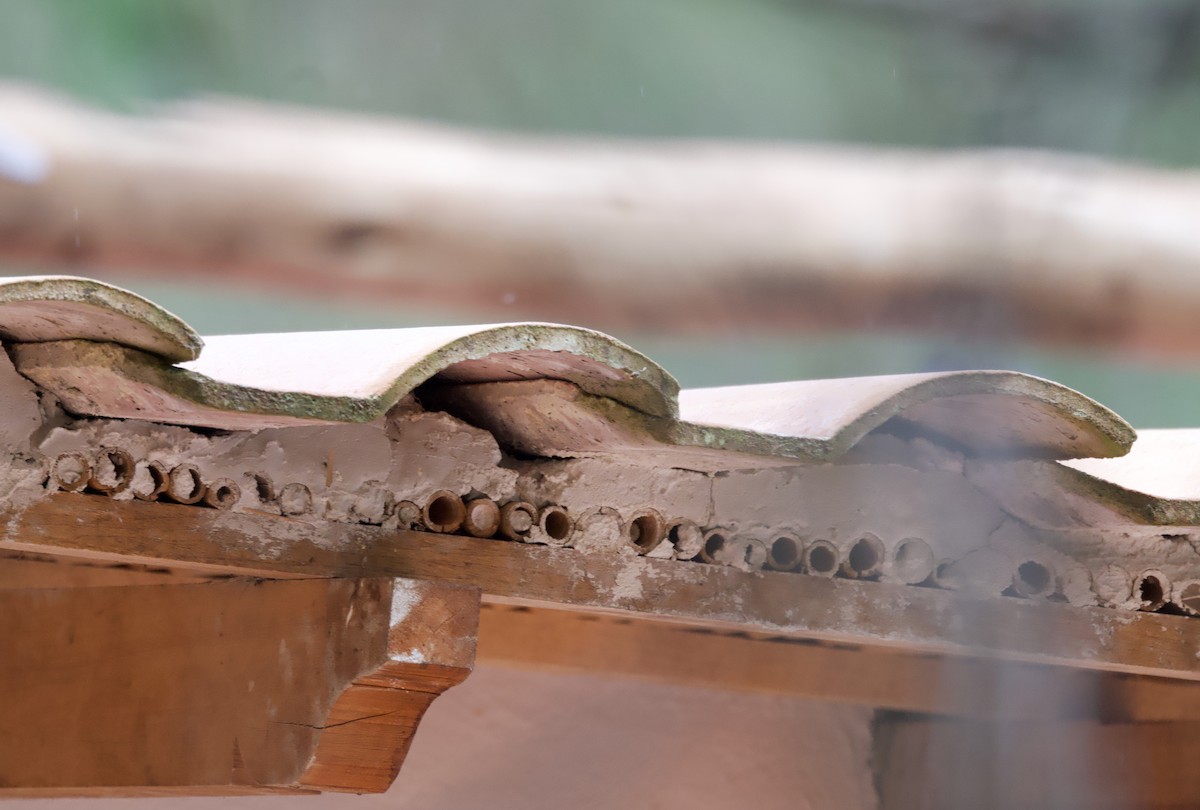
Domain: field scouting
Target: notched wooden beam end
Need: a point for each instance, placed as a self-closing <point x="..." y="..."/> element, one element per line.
<point x="431" y="637"/>
<point x="230" y="686"/>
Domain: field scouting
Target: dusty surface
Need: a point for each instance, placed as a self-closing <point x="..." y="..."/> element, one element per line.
<point x="988" y="527"/>
<point x="956" y="469"/>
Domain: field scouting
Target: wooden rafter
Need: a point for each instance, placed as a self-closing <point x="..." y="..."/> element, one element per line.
<point x="862" y="613"/>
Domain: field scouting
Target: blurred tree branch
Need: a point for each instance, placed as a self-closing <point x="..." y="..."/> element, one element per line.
<point x="681" y="236"/>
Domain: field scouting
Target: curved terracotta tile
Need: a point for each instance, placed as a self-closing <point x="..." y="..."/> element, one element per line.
<point x="1163" y="464"/>
<point x="47" y="308"/>
<point x="1156" y="484"/>
<point x="250" y="381"/>
<point x="104" y="352"/>
<point x="985" y="412"/>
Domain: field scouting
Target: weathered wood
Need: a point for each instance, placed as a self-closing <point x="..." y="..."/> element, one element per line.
<point x="735" y="236"/>
<point x="862" y="613"/>
<point x="27" y="571"/>
<point x="895" y="679"/>
<point x="235" y="686"/>
<point x="924" y="764"/>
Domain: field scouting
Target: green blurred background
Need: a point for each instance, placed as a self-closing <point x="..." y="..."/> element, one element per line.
<point x="1116" y="79"/>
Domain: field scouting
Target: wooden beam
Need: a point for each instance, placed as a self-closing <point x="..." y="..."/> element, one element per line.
<point x="234" y="686"/>
<point x="673" y="236"/>
<point x="430" y="646"/>
<point x="861" y="613"/>
<point x="949" y="765"/>
<point x="26" y="570"/>
<point x="887" y="678"/>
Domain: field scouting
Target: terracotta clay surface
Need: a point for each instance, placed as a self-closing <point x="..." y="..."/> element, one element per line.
<point x="251" y="381"/>
<point x="986" y="411"/>
<point x="1163" y="464"/>
<point x="47" y="308"/>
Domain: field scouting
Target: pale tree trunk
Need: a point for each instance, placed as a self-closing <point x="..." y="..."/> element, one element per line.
<point x="682" y="236"/>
